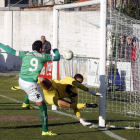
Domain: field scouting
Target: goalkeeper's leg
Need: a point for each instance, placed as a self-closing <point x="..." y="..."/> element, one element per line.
<point x="78" y="106"/>
<point x="55" y="100"/>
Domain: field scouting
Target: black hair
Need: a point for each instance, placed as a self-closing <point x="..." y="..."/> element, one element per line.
<point x="37" y="45"/>
<point x="78" y="76"/>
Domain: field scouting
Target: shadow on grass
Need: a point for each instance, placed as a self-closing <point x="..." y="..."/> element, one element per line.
<point x="112" y="129"/>
<point x="9" y="103"/>
<point x="93" y="121"/>
<point x="17" y="109"/>
<point x="80" y="132"/>
<point x="32" y="126"/>
<point x="20" y="127"/>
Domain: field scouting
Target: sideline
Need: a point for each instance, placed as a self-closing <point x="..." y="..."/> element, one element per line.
<point x="107" y="132"/>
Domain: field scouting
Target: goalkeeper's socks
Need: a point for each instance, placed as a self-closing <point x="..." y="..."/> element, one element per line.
<point x="44" y="117"/>
<point x="26" y="101"/>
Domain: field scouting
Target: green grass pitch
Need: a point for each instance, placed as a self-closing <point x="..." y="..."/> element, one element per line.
<point x="17" y="123"/>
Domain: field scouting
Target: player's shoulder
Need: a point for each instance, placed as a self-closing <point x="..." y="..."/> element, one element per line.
<point x="36" y="54"/>
<point x="70" y="77"/>
<point x="23" y="51"/>
<point x="68" y="80"/>
<point x="46" y="54"/>
<point x="55" y="80"/>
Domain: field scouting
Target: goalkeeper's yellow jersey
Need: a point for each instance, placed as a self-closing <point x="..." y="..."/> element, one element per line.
<point x="62" y="85"/>
<point x="68" y="80"/>
<point x="67" y="87"/>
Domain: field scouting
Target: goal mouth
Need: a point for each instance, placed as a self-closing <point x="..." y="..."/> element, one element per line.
<point x="94" y="32"/>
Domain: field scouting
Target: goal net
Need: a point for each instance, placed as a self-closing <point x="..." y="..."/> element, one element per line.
<point x="78" y="29"/>
<point x="122" y="102"/>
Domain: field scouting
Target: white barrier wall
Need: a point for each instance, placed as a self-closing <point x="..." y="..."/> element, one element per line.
<point x="30" y="26"/>
<point x="19" y="29"/>
<point x="2" y="3"/>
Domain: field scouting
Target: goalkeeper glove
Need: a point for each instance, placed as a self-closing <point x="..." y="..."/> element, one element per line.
<point x="95" y="93"/>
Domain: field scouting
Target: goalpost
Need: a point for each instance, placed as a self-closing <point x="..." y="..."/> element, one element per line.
<point x="93" y="26"/>
<point x="93" y="31"/>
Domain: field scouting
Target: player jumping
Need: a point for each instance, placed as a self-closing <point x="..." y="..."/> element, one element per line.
<point x="55" y="91"/>
<point x="32" y="64"/>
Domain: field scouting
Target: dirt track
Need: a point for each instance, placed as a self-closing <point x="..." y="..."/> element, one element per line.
<point x="8" y="73"/>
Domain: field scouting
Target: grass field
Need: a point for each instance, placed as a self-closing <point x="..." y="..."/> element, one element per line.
<point x="17" y="123"/>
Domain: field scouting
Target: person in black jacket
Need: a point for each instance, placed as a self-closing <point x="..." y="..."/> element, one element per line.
<point x="122" y="48"/>
<point x="46" y="46"/>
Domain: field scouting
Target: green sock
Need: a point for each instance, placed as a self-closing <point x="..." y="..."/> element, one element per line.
<point x="26" y="101"/>
<point x="44" y="117"/>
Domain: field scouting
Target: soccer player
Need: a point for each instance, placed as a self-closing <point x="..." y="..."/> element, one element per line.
<point x="32" y="63"/>
<point x="55" y="91"/>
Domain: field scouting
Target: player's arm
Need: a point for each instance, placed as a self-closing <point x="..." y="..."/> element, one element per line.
<point x="8" y="49"/>
<point x="57" y="55"/>
<point x="82" y="87"/>
<point x="12" y="51"/>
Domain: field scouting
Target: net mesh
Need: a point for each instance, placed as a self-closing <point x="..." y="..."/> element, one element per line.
<point x="79" y="31"/>
<point x="122" y="67"/>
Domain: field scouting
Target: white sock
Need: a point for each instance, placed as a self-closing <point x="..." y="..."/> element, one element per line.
<point x="82" y="120"/>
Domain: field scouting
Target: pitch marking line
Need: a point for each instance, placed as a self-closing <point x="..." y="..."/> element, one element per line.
<point x="107" y="132"/>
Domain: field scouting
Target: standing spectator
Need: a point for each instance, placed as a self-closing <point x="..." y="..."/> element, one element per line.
<point x="128" y="48"/>
<point x="134" y="49"/>
<point x="134" y="63"/>
<point x="122" y="48"/>
<point x="46" y="46"/>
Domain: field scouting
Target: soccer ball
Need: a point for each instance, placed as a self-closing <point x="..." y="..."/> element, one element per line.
<point x="68" y="54"/>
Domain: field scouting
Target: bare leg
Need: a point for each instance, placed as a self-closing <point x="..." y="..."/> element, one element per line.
<point x="64" y="104"/>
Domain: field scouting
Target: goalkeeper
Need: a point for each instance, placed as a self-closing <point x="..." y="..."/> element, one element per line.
<point x="55" y="91"/>
<point x="32" y="63"/>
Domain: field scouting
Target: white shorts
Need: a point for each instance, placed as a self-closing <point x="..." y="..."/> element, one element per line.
<point x="32" y="89"/>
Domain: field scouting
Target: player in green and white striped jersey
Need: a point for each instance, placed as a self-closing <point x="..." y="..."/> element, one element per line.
<point x="32" y="64"/>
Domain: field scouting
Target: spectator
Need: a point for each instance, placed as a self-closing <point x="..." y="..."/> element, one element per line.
<point x="122" y="48"/>
<point x="134" y="49"/>
<point x="46" y="46"/>
<point x="134" y="63"/>
<point x="128" y="48"/>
